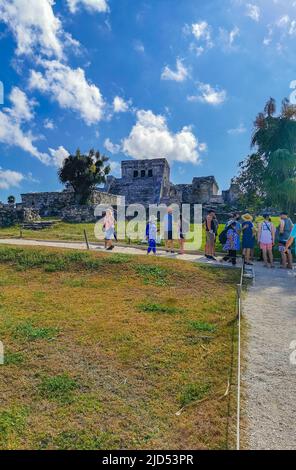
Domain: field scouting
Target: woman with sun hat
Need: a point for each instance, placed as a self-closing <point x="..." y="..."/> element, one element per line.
<point x="248" y="237"/>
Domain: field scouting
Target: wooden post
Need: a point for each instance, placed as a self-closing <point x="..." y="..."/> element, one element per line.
<point x="21" y="232"/>
<point x="86" y="239"/>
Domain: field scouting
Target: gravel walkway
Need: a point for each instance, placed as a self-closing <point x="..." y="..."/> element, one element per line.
<point x="129" y="250"/>
<point x="269" y="378"/>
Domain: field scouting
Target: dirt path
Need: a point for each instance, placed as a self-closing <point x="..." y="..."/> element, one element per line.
<point x="96" y="247"/>
<point x="270" y="377"/>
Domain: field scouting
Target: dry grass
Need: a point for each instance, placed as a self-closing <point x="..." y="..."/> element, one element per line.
<point x="102" y="351"/>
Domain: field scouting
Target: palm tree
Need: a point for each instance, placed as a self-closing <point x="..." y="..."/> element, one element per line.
<point x="274" y="138"/>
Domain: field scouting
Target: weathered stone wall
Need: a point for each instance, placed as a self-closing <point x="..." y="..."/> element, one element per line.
<point x="52" y="204"/>
<point x="11" y="215"/>
<point x="79" y="213"/>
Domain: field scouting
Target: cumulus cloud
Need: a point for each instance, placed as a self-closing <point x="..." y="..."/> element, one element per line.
<point x="287" y="24"/>
<point x="9" y="178"/>
<point x="253" y="12"/>
<point x="227" y="38"/>
<point x="178" y="75"/>
<point x="240" y="129"/>
<point x="70" y="88"/>
<point x="34" y="26"/>
<point x="202" y="34"/>
<point x="12" y="121"/>
<point x="22" y="108"/>
<point x="151" y="138"/>
<point x="58" y="156"/>
<point x="100" y="6"/>
<point x="120" y="105"/>
<point x="202" y="31"/>
<point x="48" y="124"/>
<point x="110" y="147"/>
<point x="208" y="94"/>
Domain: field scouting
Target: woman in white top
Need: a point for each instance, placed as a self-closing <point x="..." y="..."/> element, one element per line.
<point x="266" y="238"/>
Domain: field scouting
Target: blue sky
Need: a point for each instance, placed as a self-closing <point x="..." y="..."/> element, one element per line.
<point x="183" y="79"/>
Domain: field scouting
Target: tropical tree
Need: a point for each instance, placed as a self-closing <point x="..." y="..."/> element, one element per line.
<point x="11" y="200"/>
<point x="84" y="173"/>
<point x="269" y="175"/>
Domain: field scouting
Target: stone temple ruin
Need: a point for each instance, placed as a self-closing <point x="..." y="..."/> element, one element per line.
<point x="142" y="182"/>
<point x="148" y="182"/>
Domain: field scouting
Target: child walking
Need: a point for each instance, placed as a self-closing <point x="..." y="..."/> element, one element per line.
<point x="151" y="235"/>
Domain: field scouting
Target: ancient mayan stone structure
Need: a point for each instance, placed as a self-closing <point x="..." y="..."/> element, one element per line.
<point x="11" y="214"/>
<point x="142" y="182"/>
<point x="60" y="204"/>
<point x="148" y="182"/>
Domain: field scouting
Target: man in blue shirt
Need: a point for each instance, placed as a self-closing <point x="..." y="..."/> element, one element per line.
<point x="291" y="239"/>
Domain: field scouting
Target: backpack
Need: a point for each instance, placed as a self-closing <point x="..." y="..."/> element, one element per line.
<point x="223" y="236"/>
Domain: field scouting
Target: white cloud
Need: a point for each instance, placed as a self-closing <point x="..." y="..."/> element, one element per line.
<point x="11" y="125"/>
<point x="209" y="95"/>
<point x="70" y="88"/>
<point x="240" y="129"/>
<point x="58" y="156"/>
<point x="110" y="147"/>
<point x="119" y="105"/>
<point x="151" y="138"/>
<point x="139" y="47"/>
<point x="202" y="31"/>
<point x="178" y="75"/>
<point x="253" y="12"/>
<point x="100" y="6"/>
<point x="34" y="26"/>
<point x="48" y="124"/>
<point x="22" y="108"/>
<point x="115" y="168"/>
<point x="9" y="178"/>
<point x="287" y="24"/>
<point x="227" y="38"/>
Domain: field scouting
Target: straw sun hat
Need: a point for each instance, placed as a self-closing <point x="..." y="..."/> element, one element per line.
<point x="247" y="218"/>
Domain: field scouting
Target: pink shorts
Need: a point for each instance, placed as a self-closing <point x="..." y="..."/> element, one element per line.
<point x="266" y="246"/>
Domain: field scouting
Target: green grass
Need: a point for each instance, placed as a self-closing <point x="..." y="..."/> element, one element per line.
<point x="59" y="388"/>
<point x="157" y="308"/>
<point x="152" y="274"/>
<point x="104" y="358"/>
<point x="202" y="326"/>
<point x="194" y="392"/>
<point x="28" y="332"/>
<point x="12" y="424"/>
<point x="11" y="358"/>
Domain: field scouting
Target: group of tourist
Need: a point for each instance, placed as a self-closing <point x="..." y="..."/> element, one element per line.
<point x="242" y="233"/>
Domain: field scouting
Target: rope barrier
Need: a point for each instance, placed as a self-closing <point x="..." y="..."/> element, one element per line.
<point x="239" y="312"/>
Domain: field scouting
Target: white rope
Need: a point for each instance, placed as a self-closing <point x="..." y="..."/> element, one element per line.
<point x="238" y="373"/>
<point x="239" y="306"/>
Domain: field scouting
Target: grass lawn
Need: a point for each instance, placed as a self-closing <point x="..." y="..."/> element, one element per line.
<point x="102" y="351"/>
